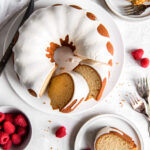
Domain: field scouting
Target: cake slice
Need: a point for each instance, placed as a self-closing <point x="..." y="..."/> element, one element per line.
<point x="67" y="90"/>
<point x="96" y="74"/>
<point x="113" y="139"/>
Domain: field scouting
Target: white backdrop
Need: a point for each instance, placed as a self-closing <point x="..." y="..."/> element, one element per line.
<point x="135" y="35"/>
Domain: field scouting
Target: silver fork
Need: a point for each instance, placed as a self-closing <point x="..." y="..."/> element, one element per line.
<point x="143" y="88"/>
<point x="141" y="107"/>
<point x="135" y="9"/>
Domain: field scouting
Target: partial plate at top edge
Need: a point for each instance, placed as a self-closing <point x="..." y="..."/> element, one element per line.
<point x="116" y="6"/>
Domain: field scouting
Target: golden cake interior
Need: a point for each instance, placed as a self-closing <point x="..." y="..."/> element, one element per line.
<point x="93" y="79"/>
<point x="112" y="141"/>
<point x="61" y="90"/>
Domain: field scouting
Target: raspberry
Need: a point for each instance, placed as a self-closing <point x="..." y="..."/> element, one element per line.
<point x="87" y="149"/>
<point x="0" y="127"/>
<point x="2" y="116"/>
<point x="4" y="137"/>
<point x="144" y="62"/>
<point x="20" y="120"/>
<point x="137" y="54"/>
<point x="7" y="146"/>
<point x="61" y="132"/>
<point x="21" y="131"/>
<point x="9" y="127"/>
<point x="16" y="139"/>
<point x="9" y="117"/>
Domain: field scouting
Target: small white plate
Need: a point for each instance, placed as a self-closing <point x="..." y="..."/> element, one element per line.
<point x="43" y="104"/>
<point x="116" y="7"/>
<point x="87" y="133"/>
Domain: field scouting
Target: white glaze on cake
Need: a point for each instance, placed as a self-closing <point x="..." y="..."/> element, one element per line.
<point x="105" y="130"/>
<point x="81" y="91"/>
<point x="48" y="25"/>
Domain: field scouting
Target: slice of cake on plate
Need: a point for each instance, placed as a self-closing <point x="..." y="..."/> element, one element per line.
<point x="110" y="138"/>
<point x="67" y="91"/>
<point x="96" y="75"/>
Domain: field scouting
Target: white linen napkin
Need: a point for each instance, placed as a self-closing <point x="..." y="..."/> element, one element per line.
<point x="8" y="8"/>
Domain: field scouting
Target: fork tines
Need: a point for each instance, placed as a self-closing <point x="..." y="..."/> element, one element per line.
<point x="143" y="88"/>
<point x="133" y="9"/>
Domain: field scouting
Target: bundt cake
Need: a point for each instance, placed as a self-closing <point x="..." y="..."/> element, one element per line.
<point x="96" y="74"/>
<point x="51" y="27"/>
<point x="110" y="138"/>
<point x="46" y="30"/>
<point x="67" y="91"/>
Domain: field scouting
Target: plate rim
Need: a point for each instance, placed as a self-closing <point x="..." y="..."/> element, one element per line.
<point x="136" y="130"/>
<point x="125" y="17"/>
<point x="82" y="111"/>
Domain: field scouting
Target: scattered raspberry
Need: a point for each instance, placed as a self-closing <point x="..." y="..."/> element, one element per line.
<point x="0" y="127"/>
<point x="137" y="54"/>
<point x="4" y="137"/>
<point x="61" y="132"/>
<point x="144" y="62"/>
<point x="2" y="116"/>
<point x="9" y="117"/>
<point x="16" y="139"/>
<point x="20" y="120"/>
<point x="9" y="127"/>
<point x="7" y="146"/>
<point x="21" y="131"/>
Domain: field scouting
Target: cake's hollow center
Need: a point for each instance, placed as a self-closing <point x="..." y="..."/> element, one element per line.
<point x="63" y="55"/>
<point x="65" y="59"/>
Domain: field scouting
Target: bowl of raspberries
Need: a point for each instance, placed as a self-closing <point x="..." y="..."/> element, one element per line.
<point x="15" y="128"/>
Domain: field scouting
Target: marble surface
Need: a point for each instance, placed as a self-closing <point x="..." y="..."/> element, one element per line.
<point x="135" y="35"/>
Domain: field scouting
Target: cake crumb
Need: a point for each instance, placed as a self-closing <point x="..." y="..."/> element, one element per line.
<point x="70" y="59"/>
<point x="123" y="100"/>
<point x="117" y="63"/>
<point x="44" y="102"/>
<point x="121" y="104"/>
<point x="45" y="130"/>
<point x="62" y="68"/>
<point x="49" y="121"/>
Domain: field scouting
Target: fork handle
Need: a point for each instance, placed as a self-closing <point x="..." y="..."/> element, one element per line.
<point x="149" y="127"/>
<point x="147" y="6"/>
<point x="148" y="119"/>
<point x="146" y="99"/>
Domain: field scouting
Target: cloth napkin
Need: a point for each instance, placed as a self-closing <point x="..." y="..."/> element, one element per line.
<point x="8" y="8"/>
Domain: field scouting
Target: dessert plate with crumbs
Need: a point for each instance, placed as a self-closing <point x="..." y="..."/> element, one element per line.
<point x="116" y="6"/>
<point x="88" y="133"/>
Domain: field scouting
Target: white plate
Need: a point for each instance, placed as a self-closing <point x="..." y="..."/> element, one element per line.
<point x="116" y="5"/>
<point x="118" y="57"/>
<point x="87" y="133"/>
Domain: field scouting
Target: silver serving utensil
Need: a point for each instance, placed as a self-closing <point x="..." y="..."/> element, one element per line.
<point x="134" y="9"/>
<point x="8" y="52"/>
<point x="141" y="107"/>
<point x="143" y="89"/>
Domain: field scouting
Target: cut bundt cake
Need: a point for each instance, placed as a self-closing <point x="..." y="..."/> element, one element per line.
<point x="96" y="74"/>
<point x="67" y="91"/>
<point x="113" y="139"/>
<point x="52" y="27"/>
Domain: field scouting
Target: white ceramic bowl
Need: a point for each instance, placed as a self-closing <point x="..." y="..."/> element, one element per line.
<point x="12" y="109"/>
